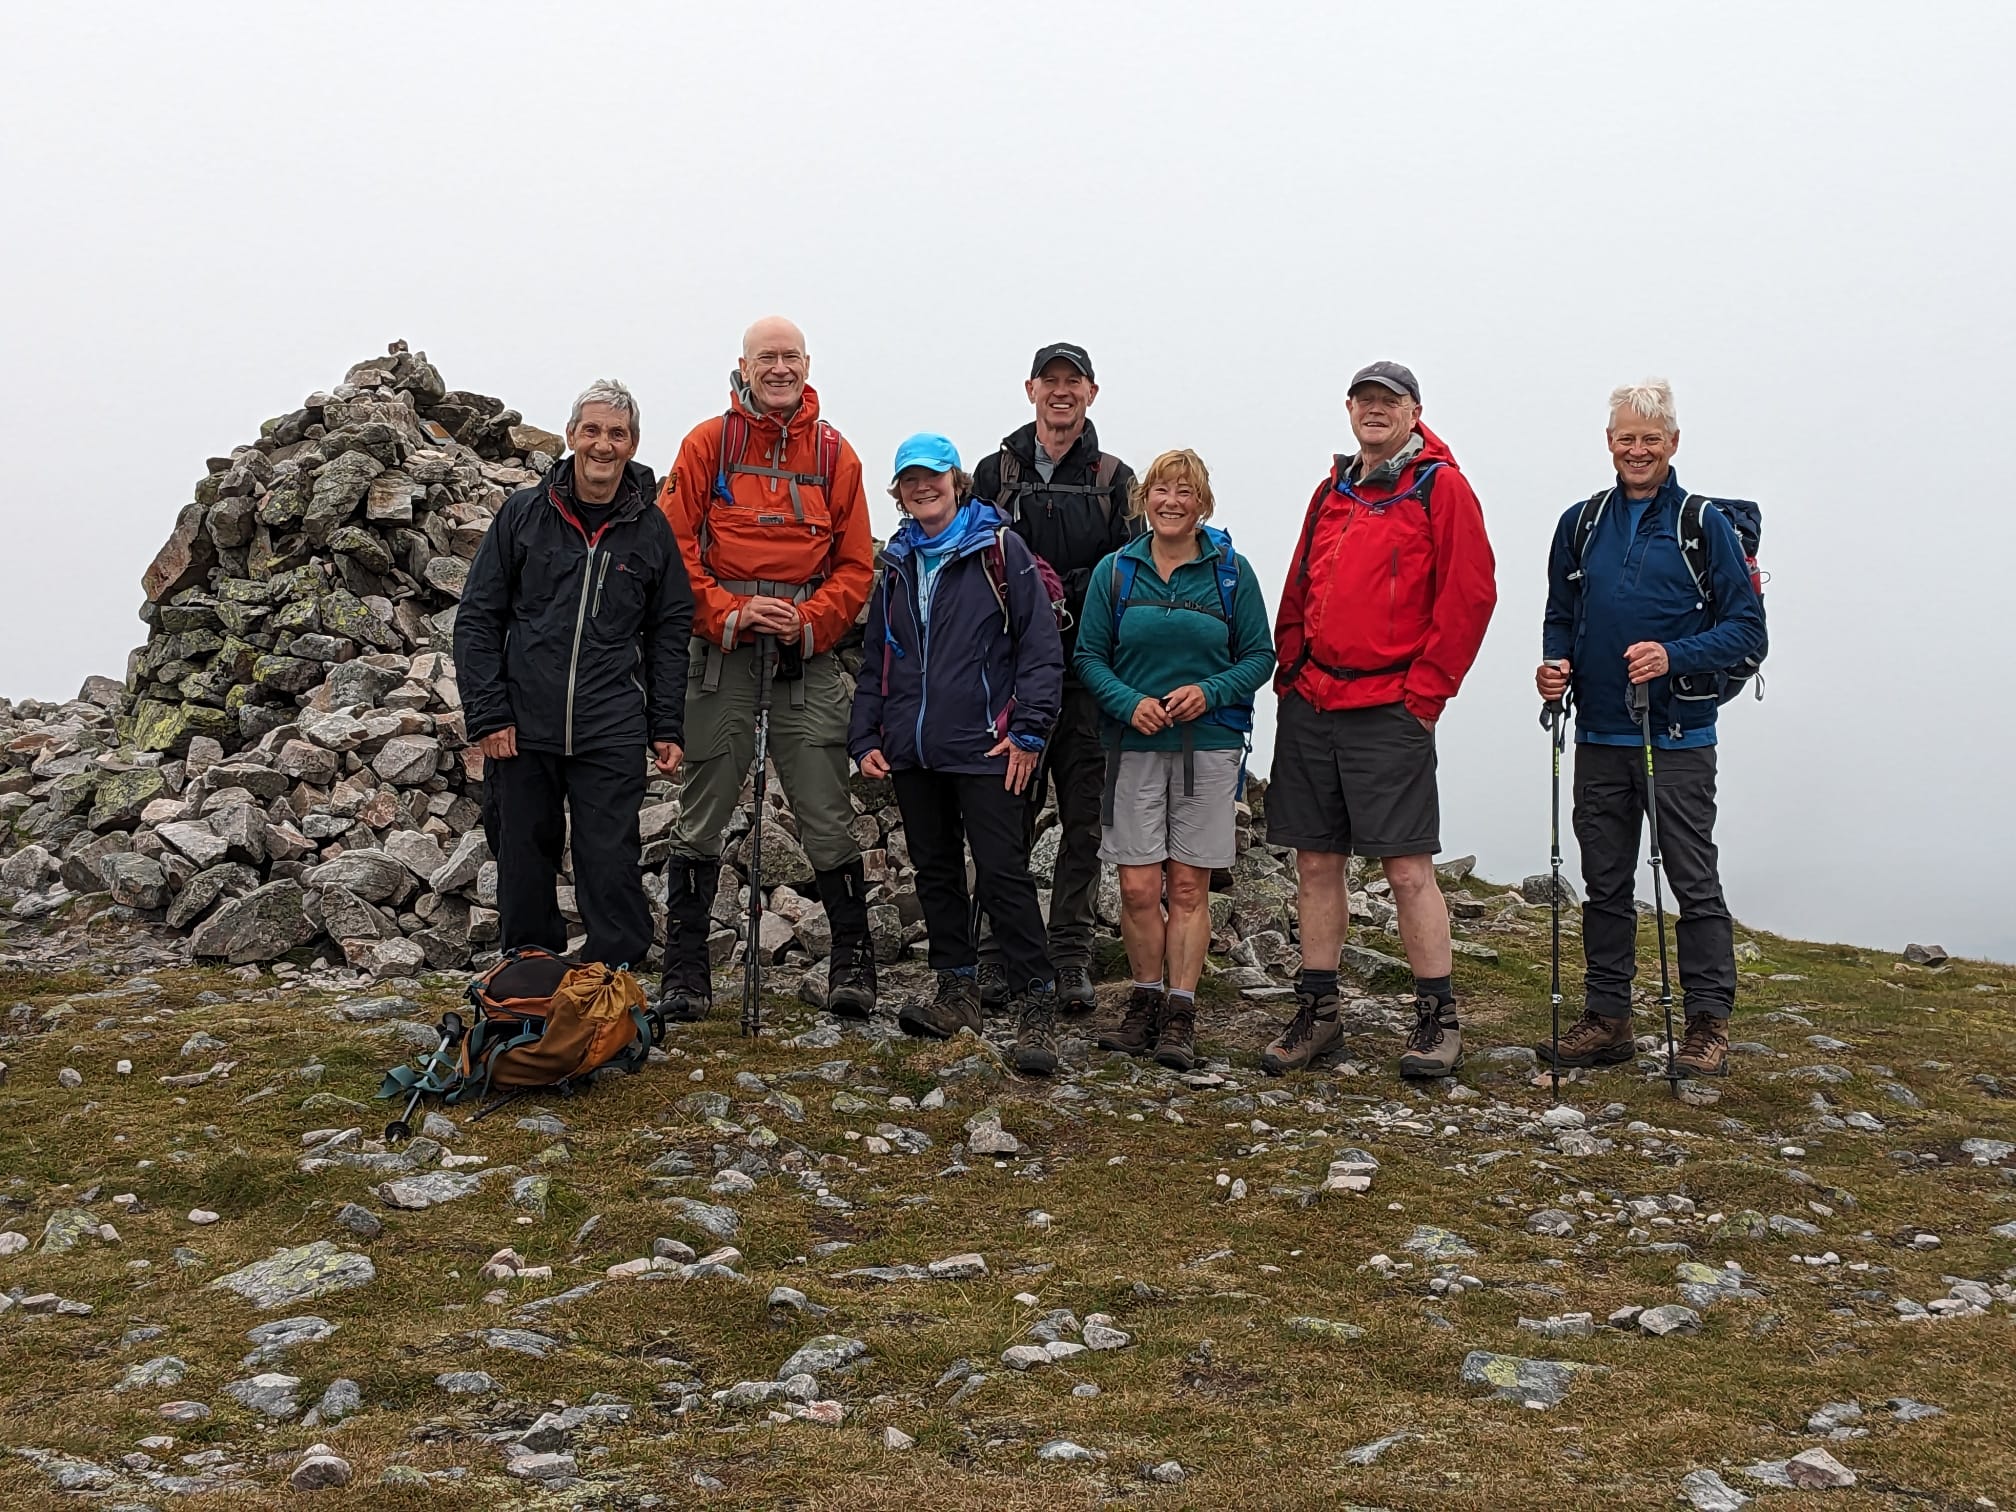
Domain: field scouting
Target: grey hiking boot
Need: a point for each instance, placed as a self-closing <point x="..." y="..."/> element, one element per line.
<point x="993" y="987"/>
<point x="1595" y="1039"/>
<point x="956" y="1007"/>
<point x="1435" y="1047"/>
<point x="1075" y="992"/>
<point x="1312" y="1032"/>
<point x="1036" y="1032"/>
<point x="1176" y="1047"/>
<point x="1136" y="1032"/>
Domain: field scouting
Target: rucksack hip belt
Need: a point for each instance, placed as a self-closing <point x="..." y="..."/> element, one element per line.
<point x="796" y="593"/>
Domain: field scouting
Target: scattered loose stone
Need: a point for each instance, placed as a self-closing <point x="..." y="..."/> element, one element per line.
<point x="321" y="1469"/>
<point x="270" y="1394"/>
<point x="1064" y="1452"/>
<point x="1708" y="1492"/>
<point x="1817" y="1470"/>
<point x="296" y="1275"/>
<point x="1513" y="1379"/>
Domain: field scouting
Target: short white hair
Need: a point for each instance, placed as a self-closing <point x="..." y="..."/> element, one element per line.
<point x="614" y="393"/>
<point x="1650" y="400"/>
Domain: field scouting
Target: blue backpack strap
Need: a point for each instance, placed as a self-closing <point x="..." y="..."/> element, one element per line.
<point x="1124" y="568"/>
<point x="734" y="441"/>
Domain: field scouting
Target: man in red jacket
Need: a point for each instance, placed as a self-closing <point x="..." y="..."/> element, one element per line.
<point x="1388" y="596"/>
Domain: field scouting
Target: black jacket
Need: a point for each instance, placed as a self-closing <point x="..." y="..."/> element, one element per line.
<point x="1072" y="531"/>
<point x="580" y="643"/>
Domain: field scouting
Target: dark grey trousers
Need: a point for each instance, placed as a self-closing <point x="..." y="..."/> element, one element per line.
<point x="1609" y="815"/>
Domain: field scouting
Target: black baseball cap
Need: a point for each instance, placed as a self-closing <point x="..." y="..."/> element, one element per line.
<point x="1070" y="351"/>
<point x="1388" y="375"/>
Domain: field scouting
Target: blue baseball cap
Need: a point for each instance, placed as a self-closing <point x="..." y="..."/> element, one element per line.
<point x="926" y="450"/>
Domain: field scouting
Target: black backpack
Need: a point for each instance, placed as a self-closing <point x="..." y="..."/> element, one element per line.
<point x="1012" y="488"/>
<point x="1747" y="520"/>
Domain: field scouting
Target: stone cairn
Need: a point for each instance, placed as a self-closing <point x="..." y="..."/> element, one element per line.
<point x="285" y="769"/>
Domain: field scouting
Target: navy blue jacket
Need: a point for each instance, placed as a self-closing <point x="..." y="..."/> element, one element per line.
<point x="579" y="641"/>
<point x="1636" y="587"/>
<point x="942" y="701"/>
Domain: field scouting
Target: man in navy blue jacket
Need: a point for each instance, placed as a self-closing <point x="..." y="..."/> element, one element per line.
<point x="1623" y="609"/>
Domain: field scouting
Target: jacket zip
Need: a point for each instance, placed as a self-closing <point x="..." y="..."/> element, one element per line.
<point x="574" y="662"/>
<point x="924" y="660"/>
<point x="600" y="578"/>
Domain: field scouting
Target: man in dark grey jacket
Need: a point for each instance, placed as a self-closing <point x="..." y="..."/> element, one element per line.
<point x="570" y="651"/>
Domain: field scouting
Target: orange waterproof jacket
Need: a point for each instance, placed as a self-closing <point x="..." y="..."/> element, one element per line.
<point x="778" y="525"/>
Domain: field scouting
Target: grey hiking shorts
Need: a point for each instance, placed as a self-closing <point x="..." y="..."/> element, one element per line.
<point x="1353" y="781"/>
<point x="1154" y="822"/>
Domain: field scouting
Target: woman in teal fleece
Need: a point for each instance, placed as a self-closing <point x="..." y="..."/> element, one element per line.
<point x="1174" y="643"/>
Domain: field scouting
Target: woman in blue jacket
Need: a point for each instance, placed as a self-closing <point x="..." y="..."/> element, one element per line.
<point x="962" y="675"/>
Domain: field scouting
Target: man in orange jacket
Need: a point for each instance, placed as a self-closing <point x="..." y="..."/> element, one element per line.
<point x="767" y="506"/>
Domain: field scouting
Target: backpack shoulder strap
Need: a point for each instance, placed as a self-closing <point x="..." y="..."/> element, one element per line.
<point x="734" y="441"/>
<point x="1228" y="579"/>
<point x="1102" y="479"/>
<point x="1586" y="519"/>
<point x="1124" y="570"/>
<point x="994" y="562"/>
<point x="1323" y="491"/>
<point x="1424" y="483"/>
<point x="1694" y="544"/>
<point x="1010" y="486"/>
<point x="828" y="450"/>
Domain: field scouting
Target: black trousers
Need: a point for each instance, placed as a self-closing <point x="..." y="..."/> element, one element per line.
<point x="943" y="813"/>
<point x="527" y="801"/>
<point x="1074" y="763"/>
<point x="1609" y="812"/>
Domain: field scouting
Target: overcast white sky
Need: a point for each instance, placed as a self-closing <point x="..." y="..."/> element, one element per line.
<point x="1799" y="213"/>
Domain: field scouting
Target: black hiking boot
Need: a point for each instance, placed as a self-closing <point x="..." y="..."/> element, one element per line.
<point x="1176" y="1048"/>
<point x="1136" y="1032"/>
<point x="686" y="990"/>
<point x="1075" y="992"/>
<point x="1035" y="1031"/>
<point x="993" y="987"/>
<point x="956" y="1007"/>
<point x="850" y="979"/>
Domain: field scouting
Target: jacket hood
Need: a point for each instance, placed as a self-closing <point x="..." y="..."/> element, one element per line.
<point x="971" y="529"/>
<point x="638" y="488"/>
<point x="1433" y="449"/>
<point x="800" y="419"/>
<point x="1023" y="443"/>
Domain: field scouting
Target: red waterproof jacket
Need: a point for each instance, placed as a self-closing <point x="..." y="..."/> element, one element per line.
<point x="1390" y="590"/>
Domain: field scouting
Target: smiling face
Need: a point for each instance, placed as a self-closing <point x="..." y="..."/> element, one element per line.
<point x="1061" y="394"/>
<point x="775" y="365"/>
<point x="930" y="498"/>
<point x="1173" y="508"/>
<point x="1380" y="419"/>
<point x="1642" y="450"/>
<point x="602" y="440"/>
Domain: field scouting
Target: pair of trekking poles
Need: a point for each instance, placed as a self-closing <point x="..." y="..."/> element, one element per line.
<point x="1554" y="719"/>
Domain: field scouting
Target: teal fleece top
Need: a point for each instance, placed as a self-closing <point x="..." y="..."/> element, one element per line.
<point x="1174" y="633"/>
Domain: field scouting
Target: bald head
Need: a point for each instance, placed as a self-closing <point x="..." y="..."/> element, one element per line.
<point x="772" y="332"/>
<point x="774" y="364"/>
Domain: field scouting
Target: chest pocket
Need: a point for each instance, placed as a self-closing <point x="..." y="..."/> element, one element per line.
<point x="766" y="520"/>
<point x="622" y="584"/>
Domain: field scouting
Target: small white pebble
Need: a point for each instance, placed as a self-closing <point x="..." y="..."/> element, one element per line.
<point x="124" y="1068"/>
<point x="202" y="1216"/>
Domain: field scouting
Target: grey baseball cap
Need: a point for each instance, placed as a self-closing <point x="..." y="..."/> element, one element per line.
<point x="1389" y="375"/>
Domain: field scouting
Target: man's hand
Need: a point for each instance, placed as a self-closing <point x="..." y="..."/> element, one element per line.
<point x="1185" y="704"/>
<point x="1552" y="680"/>
<point x="1150" y="718"/>
<point x="875" y="765"/>
<point x="666" y="756"/>
<point x="1021" y="763"/>
<point x="762" y="615"/>
<point x="1645" y="661"/>
<point x="499" y="745"/>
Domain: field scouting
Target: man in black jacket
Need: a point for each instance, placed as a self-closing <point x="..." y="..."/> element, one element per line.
<point x="570" y="651"/>
<point x="1069" y="502"/>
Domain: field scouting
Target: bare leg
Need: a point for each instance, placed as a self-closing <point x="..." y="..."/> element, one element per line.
<point x="1424" y="914"/>
<point x="1189" y="929"/>
<point x="1323" y="908"/>
<point x="1141" y="923"/>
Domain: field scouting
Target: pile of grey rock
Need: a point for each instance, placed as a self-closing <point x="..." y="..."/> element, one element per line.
<point x="286" y="766"/>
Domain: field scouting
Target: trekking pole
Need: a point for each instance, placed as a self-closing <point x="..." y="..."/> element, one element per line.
<point x="752" y="962"/>
<point x="1554" y="717"/>
<point x="1641" y="704"/>
<point x="451" y="1036"/>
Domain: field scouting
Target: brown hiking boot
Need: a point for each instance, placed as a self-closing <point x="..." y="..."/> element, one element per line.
<point x="1595" y="1039"/>
<point x="1312" y="1032"/>
<point x="956" y="1007"/>
<point x="1435" y="1047"/>
<point x="1177" y="1046"/>
<point x="1138" y="1025"/>
<point x="1705" y="1051"/>
<point x="1035" y="1031"/>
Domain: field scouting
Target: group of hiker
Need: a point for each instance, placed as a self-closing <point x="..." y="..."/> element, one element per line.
<point x="1051" y="620"/>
